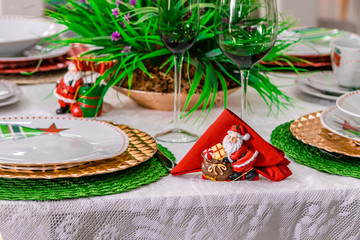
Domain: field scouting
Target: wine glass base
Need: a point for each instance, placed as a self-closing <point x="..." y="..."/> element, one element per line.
<point x="176" y="135"/>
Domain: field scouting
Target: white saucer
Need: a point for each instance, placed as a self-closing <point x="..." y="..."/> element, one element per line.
<point x="301" y="83"/>
<point x="341" y="123"/>
<point x="16" y="94"/>
<point x="350" y="103"/>
<point x="315" y="41"/>
<point x="326" y="82"/>
<point x="5" y="90"/>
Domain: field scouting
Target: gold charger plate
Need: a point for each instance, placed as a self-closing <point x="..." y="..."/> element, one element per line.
<point x="141" y="148"/>
<point x="309" y="130"/>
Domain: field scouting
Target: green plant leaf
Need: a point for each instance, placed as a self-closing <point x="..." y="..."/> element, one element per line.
<point x="194" y="85"/>
<point x="213" y="53"/>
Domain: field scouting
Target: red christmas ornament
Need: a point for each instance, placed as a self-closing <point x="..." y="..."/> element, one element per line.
<point x="76" y="110"/>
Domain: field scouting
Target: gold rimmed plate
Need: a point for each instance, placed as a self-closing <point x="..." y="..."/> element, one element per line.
<point x="51" y="141"/>
<point x="309" y="130"/>
<point x="141" y="148"/>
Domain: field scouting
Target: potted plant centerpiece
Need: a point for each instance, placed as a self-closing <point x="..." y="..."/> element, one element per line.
<point x="126" y="33"/>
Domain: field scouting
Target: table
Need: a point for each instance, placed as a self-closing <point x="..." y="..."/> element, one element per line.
<point x="307" y="205"/>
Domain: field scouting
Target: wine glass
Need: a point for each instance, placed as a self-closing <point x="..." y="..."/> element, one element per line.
<point x="178" y="22"/>
<point x="246" y="31"/>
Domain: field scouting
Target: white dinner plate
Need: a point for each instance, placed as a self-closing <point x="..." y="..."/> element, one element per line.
<point x="58" y="140"/>
<point x="34" y="54"/>
<point x="16" y="94"/>
<point x="304" y="48"/>
<point x="326" y="82"/>
<point x="5" y="90"/>
<point x="350" y="103"/>
<point x="341" y="123"/>
<point x="316" y="41"/>
<point x="301" y="84"/>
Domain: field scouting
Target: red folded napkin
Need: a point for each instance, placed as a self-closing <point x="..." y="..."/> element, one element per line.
<point x="270" y="162"/>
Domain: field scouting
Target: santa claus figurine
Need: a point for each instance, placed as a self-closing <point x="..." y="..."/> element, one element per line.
<point x="66" y="89"/>
<point x="241" y="157"/>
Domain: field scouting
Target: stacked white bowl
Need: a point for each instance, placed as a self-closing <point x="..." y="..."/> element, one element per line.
<point x="19" y="33"/>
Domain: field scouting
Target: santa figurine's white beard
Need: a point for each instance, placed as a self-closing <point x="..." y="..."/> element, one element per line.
<point x="231" y="147"/>
<point x="71" y="76"/>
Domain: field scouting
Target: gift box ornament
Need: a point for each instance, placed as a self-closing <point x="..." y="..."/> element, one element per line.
<point x="230" y="150"/>
<point x="218" y="151"/>
<point x="89" y="102"/>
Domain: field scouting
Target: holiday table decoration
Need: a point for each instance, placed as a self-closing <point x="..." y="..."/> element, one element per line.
<point x="88" y="186"/>
<point x="90" y="95"/>
<point x="89" y="103"/>
<point x="312" y="156"/>
<point x="308" y="129"/>
<point x="140" y="149"/>
<point x="142" y="163"/>
<point x="53" y="141"/>
<point x="127" y="32"/>
<point x="66" y="89"/>
<point x="213" y="166"/>
<point x="78" y="91"/>
<point x="231" y="140"/>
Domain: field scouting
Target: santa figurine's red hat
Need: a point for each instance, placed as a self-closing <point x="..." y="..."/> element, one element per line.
<point x="240" y="131"/>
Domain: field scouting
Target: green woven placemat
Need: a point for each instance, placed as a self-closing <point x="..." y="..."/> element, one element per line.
<point x="311" y="156"/>
<point x="97" y="185"/>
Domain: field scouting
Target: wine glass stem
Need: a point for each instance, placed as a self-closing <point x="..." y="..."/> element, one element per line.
<point x="244" y="74"/>
<point x="178" y="61"/>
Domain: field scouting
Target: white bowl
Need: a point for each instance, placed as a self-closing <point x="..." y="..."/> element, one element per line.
<point x="18" y="33"/>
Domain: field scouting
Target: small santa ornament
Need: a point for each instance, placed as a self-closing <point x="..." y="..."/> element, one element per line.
<point x="241" y="156"/>
<point x="66" y="89"/>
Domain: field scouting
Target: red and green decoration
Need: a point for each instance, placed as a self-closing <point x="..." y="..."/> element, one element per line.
<point x="89" y="103"/>
<point x="16" y="132"/>
<point x="86" y="98"/>
<point x="90" y="96"/>
<point x="253" y="156"/>
<point x="337" y="57"/>
<point x="125" y="32"/>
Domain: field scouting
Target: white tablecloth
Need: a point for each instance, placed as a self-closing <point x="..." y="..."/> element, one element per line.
<point x="307" y="205"/>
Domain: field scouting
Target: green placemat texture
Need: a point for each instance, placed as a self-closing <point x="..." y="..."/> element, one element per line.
<point x="96" y="185"/>
<point x="311" y="156"/>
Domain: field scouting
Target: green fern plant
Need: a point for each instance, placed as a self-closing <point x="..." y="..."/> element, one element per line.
<point x="127" y="31"/>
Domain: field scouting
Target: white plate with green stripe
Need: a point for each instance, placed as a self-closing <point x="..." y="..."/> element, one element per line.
<point x="37" y="141"/>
